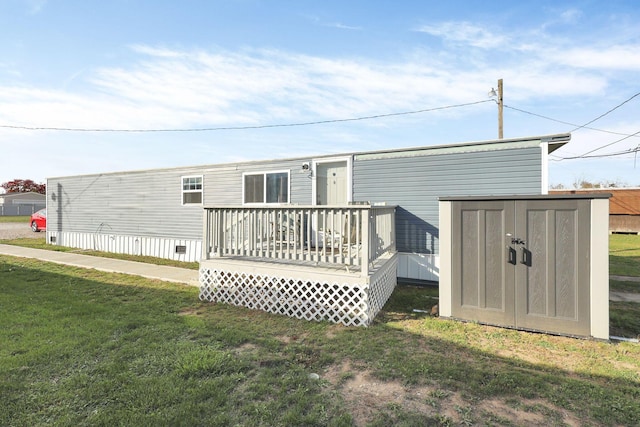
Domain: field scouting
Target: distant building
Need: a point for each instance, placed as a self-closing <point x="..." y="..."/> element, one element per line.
<point x="624" y="207"/>
<point x="29" y="197"/>
<point x="21" y="203"/>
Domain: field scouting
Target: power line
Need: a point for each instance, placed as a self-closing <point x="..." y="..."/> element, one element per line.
<point x="608" y="112"/>
<point x="610" y="144"/>
<point x="567" y="123"/>
<point x="213" y="129"/>
<point x="585" y="126"/>
<point x="584" y="156"/>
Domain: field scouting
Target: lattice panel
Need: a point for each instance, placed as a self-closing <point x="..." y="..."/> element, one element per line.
<point x="381" y="289"/>
<point x="348" y="304"/>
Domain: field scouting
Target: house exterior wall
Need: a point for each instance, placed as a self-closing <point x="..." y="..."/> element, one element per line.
<point x="137" y="203"/>
<point x="415" y="184"/>
<point x="141" y="212"/>
<point x="223" y="184"/>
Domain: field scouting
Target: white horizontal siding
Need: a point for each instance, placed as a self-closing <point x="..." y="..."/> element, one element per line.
<point x="131" y="245"/>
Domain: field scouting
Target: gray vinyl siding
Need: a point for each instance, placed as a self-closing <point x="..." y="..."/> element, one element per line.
<point x="149" y="203"/>
<point x="145" y="203"/>
<point x="223" y="185"/>
<point x="415" y="183"/>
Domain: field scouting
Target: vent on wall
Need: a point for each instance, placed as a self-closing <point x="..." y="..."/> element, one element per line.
<point x="181" y="249"/>
<point x="52" y="239"/>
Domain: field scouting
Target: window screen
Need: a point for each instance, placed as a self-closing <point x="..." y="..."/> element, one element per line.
<point x="191" y="190"/>
<point x="266" y="188"/>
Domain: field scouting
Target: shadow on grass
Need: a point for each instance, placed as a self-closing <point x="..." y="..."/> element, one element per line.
<point x="86" y="347"/>
<point x="615" y="251"/>
<point x="624" y="265"/>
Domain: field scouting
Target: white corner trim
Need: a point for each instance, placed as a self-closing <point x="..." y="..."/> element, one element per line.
<point x="544" y="146"/>
<point x="599" y="269"/>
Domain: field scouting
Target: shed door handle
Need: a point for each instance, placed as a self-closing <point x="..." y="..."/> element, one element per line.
<point x="526" y="257"/>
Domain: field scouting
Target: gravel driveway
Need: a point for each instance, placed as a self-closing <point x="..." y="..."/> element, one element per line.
<point x="15" y="230"/>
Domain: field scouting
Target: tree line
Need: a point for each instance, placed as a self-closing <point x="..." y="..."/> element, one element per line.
<point x="24" y="186"/>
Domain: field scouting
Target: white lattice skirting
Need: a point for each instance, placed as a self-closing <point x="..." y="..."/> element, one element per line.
<point x="351" y="304"/>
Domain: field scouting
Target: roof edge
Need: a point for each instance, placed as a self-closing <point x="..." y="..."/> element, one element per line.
<point x="554" y="142"/>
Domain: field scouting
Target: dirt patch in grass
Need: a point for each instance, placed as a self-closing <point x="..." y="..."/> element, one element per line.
<point x="367" y="398"/>
<point x="288" y="339"/>
<point x="191" y="311"/>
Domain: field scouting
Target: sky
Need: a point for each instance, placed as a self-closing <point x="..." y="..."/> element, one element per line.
<point x="92" y="86"/>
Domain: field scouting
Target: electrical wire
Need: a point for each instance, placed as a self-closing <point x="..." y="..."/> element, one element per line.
<point x="609" y="144"/>
<point x="585" y="126"/>
<point x="567" y="123"/>
<point x="585" y="156"/>
<point x="213" y="129"/>
<point x="606" y="113"/>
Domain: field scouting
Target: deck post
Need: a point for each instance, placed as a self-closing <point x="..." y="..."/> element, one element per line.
<point x="366" y="244"/>
<point x="219" y="231"/>
<point x="205" y="232"/>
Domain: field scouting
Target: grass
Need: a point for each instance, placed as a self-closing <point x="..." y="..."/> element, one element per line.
<point x="622" y="286"/>
<point x="82" y="347"/>
<point x="20" y="218"/>
<point x="40" y="243"/>
<point x="624" y="255"/>
<point x="624" y="319"/>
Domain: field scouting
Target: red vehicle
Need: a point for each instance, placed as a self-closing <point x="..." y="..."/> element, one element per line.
<point x="39" y="220"/>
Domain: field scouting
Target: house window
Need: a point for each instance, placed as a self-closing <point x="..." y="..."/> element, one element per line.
<point x="192" y="190"/>
<point x="266" y="187"/>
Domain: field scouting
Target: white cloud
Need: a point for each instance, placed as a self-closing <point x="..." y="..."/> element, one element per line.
<point x="622" y="57"/>
<point x="174" y="88"/>
<point x="465" y="33"/>
<point x="343" y="26"/>
<point x="570" y="16"/>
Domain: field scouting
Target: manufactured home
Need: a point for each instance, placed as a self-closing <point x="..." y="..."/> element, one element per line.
<point x="362" y="217"/>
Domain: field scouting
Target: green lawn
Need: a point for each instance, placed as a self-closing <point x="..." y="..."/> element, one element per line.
<point x="624" y="255"/>
<point x="41" y="243"/>
<point x="20" y="218"/>
<point x="81" y="347"/>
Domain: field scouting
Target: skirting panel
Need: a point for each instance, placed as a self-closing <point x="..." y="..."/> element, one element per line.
<point x="419" y="266"/>
<point x="350" y="304"/>
<point x="159" y="247"/>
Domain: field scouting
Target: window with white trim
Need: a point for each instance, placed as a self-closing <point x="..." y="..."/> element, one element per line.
<point x="192" y="190"/>
<point x="265" y="187"/>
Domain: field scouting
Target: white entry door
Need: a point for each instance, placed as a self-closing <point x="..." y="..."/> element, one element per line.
<point x="332" y="183"/>
<point x="331" y="187"/>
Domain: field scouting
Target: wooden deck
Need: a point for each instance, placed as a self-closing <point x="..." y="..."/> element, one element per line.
<point x="304" y="269"/>
<point x="336" y="263"/>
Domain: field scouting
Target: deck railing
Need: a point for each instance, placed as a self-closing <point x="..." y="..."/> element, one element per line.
<point x="353" y="235"/>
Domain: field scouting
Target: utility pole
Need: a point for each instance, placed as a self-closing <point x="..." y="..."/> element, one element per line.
<point x="500" y="108"/>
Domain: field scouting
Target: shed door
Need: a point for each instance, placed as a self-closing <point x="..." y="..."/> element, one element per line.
<point x="482" y="281"/>
<point x="552" y="273"/>
<point x="522" y="263"/>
